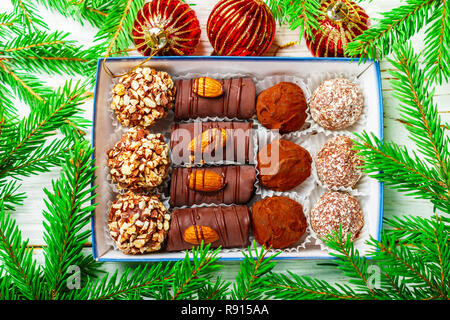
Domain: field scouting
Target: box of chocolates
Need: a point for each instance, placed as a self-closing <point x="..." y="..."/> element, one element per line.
<point x="228" y="151"/>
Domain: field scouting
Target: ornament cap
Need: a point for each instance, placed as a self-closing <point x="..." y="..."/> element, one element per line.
<point x="156" y="38"/>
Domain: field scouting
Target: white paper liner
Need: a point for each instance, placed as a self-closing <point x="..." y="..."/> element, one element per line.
<point x="364" y="234"/>
<point x="302" y="190"/>
<point x="313" y="82"/>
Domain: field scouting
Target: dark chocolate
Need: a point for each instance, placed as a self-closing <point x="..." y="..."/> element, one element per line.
<point x="232" y="224"/>
<point x="238" y="148"/>
<point x="238" y="100"/>
<point x="238" y="189"/>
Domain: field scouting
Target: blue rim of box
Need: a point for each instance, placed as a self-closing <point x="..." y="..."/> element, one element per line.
<point x="225" y="58"/>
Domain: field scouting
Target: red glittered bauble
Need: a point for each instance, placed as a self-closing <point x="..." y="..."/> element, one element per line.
<point x="241" y="28"/>
<point x="166" y="27"/>
<point x="340" y="22"/>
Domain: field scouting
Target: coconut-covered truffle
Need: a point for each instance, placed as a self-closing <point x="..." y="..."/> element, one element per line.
<point x="336" y="104"/>
<point x="139" y="160"/>
<point x="142" y="97"/>
<point x="337" y="165"/>
<point x="283" y="165"/>
<point x="334" y="209"/>
<point x="283" y="107"/>
<point x="278" y="222"/>
<point x="138" y="223"/>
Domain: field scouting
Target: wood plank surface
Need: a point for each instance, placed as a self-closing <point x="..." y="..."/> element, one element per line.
<point x="29" y="216"/>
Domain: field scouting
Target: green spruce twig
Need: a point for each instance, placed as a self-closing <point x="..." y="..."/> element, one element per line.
<point x="92" y="11"/>
<point x="250" y="278"/>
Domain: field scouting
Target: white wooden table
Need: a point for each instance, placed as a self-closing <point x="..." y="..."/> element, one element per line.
<point x="29" y="216"/>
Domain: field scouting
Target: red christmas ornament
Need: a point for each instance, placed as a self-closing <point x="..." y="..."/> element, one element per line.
<point x="241" y="28"/>
<point x="167" y="27"/>
<point x="340" y="22"/>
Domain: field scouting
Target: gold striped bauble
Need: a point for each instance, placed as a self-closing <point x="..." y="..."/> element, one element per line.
<point x="241" y="28"/>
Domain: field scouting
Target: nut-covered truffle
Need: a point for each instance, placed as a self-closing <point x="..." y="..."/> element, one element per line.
<point x="278" y="222"/>
<point x="139" y="160"/>
<point x="142" y="97"/>
<point x="337" y="165"/>
<point x="283" y="107"/>
<point x="138" y="223"/>
<point x="283" y="165"/>
<point x="336" y="104"/>
<point x="334" y="209"/>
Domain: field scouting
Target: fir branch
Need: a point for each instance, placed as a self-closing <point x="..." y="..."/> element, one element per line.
<point x="394" y="166"/>
<point x="218" y="290"/>
<point x="353" y="266"/>
<point x="428" y="238"/>
<point x="9" y="195"/>
<point x="115" y="34"/>
<point x="8" y="110"/>
<point x="7" y="289"/>
<point x="26" y="86"/>
<point x="42" y="159"/>
<point x="395" y="27"/>
<point x="25" y="11"/>
<point x="409" y="264"/>
<point x="291" y="286"/>
<point x="190" y="275"/>
<point x="251" y="275"/>
<point x="437" y="43"/>
<point x="67" y="213"/>
<point x="143" y="280"/>
<point x="92" y="11"/>
<point x="9" y="24"/>
<point x="17" y="259"/>
<point x="301" y="14"/>
<point x="33" y="131"/>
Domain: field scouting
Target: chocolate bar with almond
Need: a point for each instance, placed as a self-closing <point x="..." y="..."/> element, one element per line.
<point x="224" y="226"/>
<point x="212" y="185"/>
<point x="237" y="99"/>
<point x="212" y="142"/>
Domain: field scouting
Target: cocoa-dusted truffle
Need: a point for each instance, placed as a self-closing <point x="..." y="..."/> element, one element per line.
<point x="142" y="97"/>
<point x="337" y="165"/>
<point x="334" y="209"/>
<point x="283" y="107"/>
<point x="139" y="160"/>
<point x="138" y="223"/>
<point x="283" y="165"/>
<point x="336" y="104"/>
<point x="278" y="222"/>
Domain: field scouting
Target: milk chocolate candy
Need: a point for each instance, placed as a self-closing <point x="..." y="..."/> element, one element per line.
<point x="237" y="101"/>
<point x="228" y="226"/>
<point x="212" y="142"/>
<point x="238" y="185"/>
